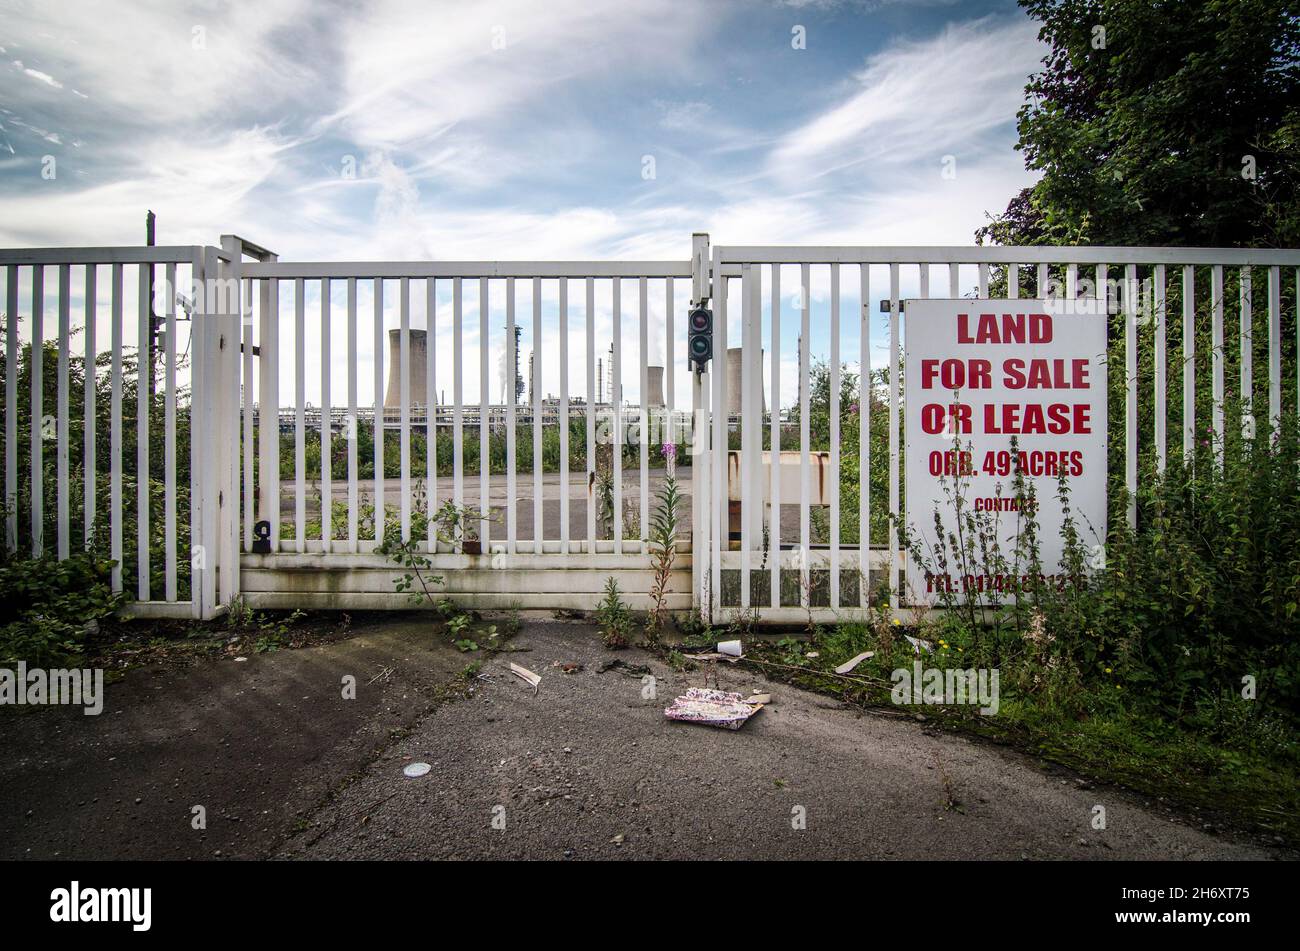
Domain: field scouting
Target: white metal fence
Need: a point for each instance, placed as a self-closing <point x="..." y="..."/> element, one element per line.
<point x="170" y="478"/>
<point x="779" y="578"/>
<point x="79" y="486"/>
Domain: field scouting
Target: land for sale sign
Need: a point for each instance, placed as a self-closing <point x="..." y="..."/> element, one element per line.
<point x="993" y="388"/>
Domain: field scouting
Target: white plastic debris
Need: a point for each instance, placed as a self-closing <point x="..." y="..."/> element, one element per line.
<point x="731" y="648"/>
<point x="848" y="665"/>
<point x="526" y="675"/>
<point x="917" y="644"/>
<point x="416" y="770"/>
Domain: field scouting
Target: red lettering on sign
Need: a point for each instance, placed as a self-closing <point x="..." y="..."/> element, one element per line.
<point x="1005" y="328"/>
<point x="1030" y="419"/>
<point x="957" y="374"/>
<point x="1045" y="374"/>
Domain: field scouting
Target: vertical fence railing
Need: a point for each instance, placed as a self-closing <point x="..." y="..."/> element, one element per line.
<point x="1140" y="296"/>
<point x="493" y="318"/>
<point x="431" y="390"/>
<point x="564" y="415"/>
<point x="96" y="431"/>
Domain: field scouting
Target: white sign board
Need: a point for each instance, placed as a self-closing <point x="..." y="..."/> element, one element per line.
<point x="978" y="375"/>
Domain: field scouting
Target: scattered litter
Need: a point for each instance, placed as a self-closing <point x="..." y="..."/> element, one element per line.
<point x="416" y="770"/>
<point x="568" y="668"/>
<point x="384" y="673"/>
<point x="714" y="655"/>
<point x="917" y="644"/>
<point x="812" y="655"/>
<point x="623" y="667"/>
<point x="526" y="675"/>
<point x="712" y="708"/>
<point x="848" y="665"/>
<point x="759" y="698"/>
<point x="240" y="659"/>
<point x="618" y="839"/>
<point x="730" y="648"/>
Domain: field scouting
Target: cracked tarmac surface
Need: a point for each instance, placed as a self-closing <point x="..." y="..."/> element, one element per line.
<point x="588" y="768"/>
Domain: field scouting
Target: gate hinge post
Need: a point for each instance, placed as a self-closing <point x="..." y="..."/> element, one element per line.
<point x="229" y="383"/>
<point x="701" y="287"/>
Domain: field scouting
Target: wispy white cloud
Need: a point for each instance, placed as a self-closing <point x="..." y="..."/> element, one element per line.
<point x="466" y="150"/>
<point x="195" y="187"/>
<point x="860" y="4"/>
<point x="683" y="115"/>
<point x="38" y="75"/>
<point x="162" y="61"/>
<point x="919" y="99"/>
<point x="410" y="70"/>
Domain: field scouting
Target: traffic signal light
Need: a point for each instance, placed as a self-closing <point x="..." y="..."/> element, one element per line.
<point x="699" y="341"/>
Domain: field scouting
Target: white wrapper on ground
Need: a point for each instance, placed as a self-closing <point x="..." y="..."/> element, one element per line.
<point x="712" y="707"/>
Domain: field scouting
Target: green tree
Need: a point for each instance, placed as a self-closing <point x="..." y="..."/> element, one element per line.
<point x="1160" y="122"/>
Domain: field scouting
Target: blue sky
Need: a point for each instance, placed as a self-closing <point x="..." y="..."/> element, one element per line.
<point x="502" y="130"/>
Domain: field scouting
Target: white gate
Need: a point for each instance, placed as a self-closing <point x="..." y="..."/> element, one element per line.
<point x="558" y="530"/>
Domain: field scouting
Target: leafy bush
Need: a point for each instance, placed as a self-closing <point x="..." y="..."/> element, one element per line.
<point x="46" y="604"/>
<point x="1201" y="595"/>
<point x="1206" y="590"/>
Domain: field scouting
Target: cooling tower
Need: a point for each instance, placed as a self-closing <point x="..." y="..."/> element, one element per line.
<point x="733" y="382"/>
<point x="419" y="377"/>
<point x="654" y="386"/>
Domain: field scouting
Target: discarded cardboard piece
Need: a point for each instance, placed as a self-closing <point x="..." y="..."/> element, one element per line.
<point x="719" y="708"/>
<point x="848" y="665"/>
<point x="526" y="675"/>
<point x="714" y="655"/>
